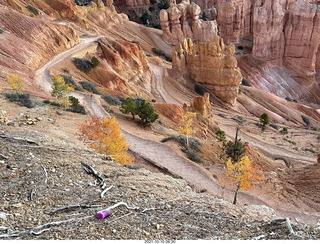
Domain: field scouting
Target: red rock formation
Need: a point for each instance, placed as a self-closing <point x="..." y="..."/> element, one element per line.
<point x="182" y="21"/>
<point x="212" y="64"/>
<point x="234" y="19"/>
<point x="128" y="61"/>
<point x="285" y="33"/>
<point x="200" y="105"/>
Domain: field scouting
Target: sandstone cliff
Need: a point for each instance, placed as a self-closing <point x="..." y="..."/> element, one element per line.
<point x="212" y="64"/>
<point x="285" y="33"/>
<point x="182" y="21"/>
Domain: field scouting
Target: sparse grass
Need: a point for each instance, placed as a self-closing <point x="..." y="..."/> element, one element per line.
<point x="111" y="99"/>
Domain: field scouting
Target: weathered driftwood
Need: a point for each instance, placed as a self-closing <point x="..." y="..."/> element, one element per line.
<point x="119" y="204"/>
<point x="2" y="156"/>
<point x="39" y="232"/>
<point x="90" y="170"/>
<point x="104" y="191"/>
<point x="45" y="174"/>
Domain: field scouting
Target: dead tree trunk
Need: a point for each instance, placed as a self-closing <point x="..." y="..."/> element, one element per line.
<point x="236" y="194"/>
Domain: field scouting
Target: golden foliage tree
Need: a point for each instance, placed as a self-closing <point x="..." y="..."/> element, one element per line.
<point x="186" y="129"/>
<point x="244" y="175"/>
<point x="15" y="82"/>
<point x="60" y="89"/>
<point x="104" y="135"/>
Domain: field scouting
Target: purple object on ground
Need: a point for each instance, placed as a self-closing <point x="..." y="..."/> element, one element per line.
<point x="104" y="214"/>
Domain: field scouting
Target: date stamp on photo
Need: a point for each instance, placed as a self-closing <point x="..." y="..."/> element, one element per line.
<point x="160" y="241"/>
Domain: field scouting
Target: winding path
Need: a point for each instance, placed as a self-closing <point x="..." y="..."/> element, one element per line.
<point x="156" y="152"/>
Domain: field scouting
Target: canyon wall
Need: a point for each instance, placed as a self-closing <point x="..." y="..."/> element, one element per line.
<point x="182" y="21"/>
<point x="211" y="64"/>
<point x="283" y="33"/>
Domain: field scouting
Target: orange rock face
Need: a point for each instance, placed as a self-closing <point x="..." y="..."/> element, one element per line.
<point x="212" y="64"/>
<point x="200" y="105"/>
<point x="128" y="61"/>
<point x="182" y="21"/>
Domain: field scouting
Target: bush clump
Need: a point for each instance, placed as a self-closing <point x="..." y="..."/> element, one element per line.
<point x="33" y="9"/>
<point x="75" y="106"/>
<point x="70" y="81"/>
<point x="162" y="53"/>
<point x="139" y="107"/>
<point x="83" y="64"/>
<point x="21" y="99"/>
<point x="284" y="131"/>
<point x="306" y="120"/>
<point x="89" y="86"/>
<point x="194" y="144"/>
<point x="192" y="155"/>
<point x="245" y="83"/>
<point x="194" y="147"/>
<point x="111" y="99"/>
<point x="1" y="31"/>
<point x="274" y="126"/>
<point x="198" y="89"/>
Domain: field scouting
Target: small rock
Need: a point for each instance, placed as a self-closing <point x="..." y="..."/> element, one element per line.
<point x="3" y="216"/>
<point x="114" y="231"/>
<point x="158" y="226"/>
<point x="39" y="118"/>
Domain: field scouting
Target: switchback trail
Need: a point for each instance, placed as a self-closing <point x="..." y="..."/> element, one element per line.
<point x="156" y="152"/>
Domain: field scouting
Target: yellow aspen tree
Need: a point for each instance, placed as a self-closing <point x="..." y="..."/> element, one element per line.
<point x="104" y="135"/>
<point x="60" y="89"/>
<point x="15" y="83"/>
<point x="244" y="175"/>
<point x="186" y="129"/>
